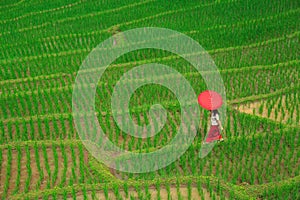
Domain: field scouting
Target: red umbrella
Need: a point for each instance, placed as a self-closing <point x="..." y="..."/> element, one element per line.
<point x="210" y="100"/>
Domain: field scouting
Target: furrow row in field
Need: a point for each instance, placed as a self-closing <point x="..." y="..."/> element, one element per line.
<point x="232" y="154"/>
<point x="59" y="99"/>
<point x="54" y="11"/>
<point x="67" y="80"/>
<point x="37" y="167"/>
<point x="33" y="5"/>
<point x="104" y="29"/>
<point x="244" y="54"/>
<point x="30" y="66"/>
<point x="61" y="125"/>
<point x="30" y="14"/>
<point x="283" y="107"/>
<point x="44" y="25"/>
<point x="180" y="187"/>
<point x="12" y="5"/>
<point x="286" y="189"/>
<point x="16" y="50"/>
<point x="251" y="160"/>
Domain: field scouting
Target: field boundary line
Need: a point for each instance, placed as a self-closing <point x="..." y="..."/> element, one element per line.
<point x="213" y="51"/>
<point x="40" y="143"/>
<point x="197" y="145"/>
<point x="76" y="35"/>
<point x="248" y="22"/>
<point x="136" y="20"/>
<point x="241" y="191"/>
<point x="42" y="12"/>
<point x="189" y="74"/>
<point x="248" y="137"/>
<point x="101" y="170"/>
<point x="77" y="17"/>
<point x="259" y="189"/>
<point x="264" y="96"/>
<point x="12" y="5"/>
<point x="75" y="142"/>
<point x="214" y="181"/>
<point x="169" y="104"/>
<point x="37" y="27"/>
<point x="137" y="109"/>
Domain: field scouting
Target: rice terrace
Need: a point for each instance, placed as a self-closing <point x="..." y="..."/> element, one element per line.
<point x="152" y="99"/>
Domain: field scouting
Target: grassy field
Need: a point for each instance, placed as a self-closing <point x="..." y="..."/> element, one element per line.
<point x="254" y="44"/>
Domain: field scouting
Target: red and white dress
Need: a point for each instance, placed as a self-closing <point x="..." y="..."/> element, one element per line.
<point x="214" y="131"/>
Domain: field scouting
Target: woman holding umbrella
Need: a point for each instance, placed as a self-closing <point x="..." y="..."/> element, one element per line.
<point x="214" y="133"/>
<point x="211" y="101"/>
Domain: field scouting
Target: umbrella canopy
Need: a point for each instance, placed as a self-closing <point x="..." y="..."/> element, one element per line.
<point x="210" y="100"/>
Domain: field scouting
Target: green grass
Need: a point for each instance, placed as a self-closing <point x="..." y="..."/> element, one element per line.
<point x="254" y="44"/>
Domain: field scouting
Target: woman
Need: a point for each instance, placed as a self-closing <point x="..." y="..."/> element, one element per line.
<point x="117" y="40"/>
<point x="214" y="133"/>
